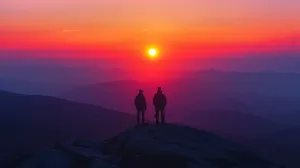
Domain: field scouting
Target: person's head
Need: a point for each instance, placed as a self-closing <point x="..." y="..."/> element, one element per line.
<point x="159" y="90"/>
<point x="141" y="91"/>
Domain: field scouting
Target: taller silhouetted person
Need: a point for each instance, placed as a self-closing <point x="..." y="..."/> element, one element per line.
<point x="141" y="106"/>
<point x="160" y="102"/>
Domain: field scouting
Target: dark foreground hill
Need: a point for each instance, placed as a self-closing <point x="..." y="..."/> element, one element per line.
<point x="152" y="146"/>
<point x="282" y="147"/>
<point x="30" y="123"/>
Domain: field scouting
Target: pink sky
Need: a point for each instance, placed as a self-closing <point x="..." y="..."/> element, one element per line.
<point x="178" y="26"/>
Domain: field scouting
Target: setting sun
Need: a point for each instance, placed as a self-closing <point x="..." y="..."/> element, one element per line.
<point x="152" y="52"/>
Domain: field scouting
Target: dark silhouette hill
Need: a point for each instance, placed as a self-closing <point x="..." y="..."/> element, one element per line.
<point x="29" y="123"/>
<point x="151" y="146"/>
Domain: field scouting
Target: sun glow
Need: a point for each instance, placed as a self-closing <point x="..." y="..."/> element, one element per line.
<point x="152" y="52"/>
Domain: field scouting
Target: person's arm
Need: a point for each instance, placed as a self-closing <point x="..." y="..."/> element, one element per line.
<point x="154" y="100"/>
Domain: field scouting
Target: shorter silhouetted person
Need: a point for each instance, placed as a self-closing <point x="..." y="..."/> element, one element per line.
<point x="160" y="102"/>
<point x="141" y="106"/>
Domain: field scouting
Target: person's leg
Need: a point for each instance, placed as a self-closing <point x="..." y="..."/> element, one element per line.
<point x="162" y="115"/>
<point x="138" y="116"/>
<point x="157" y="114"/>
<point x="143" y="117"/>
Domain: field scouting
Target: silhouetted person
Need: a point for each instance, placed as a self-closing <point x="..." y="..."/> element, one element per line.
<point x="160" y="102"/>
<point x="141" y="106"/>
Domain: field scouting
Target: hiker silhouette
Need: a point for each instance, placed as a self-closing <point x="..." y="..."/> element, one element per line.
<point x="160" y="102"/>
<point x="141" y="106"/>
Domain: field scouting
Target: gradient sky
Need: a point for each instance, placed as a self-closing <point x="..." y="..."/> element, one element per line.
<point x="174" y="26"/>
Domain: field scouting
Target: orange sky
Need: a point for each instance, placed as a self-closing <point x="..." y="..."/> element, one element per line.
<point x="132" y="25"/>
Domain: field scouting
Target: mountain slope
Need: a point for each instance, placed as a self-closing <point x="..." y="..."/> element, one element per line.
<point x="180" y="146"/>
<point x="28" y="123"/>
<point x="152" y="146"/>
<point x="283" y="147"/>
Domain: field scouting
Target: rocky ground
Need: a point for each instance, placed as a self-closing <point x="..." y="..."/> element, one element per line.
<point x="150" y="146"/>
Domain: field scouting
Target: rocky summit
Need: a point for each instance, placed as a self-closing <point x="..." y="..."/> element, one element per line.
<point x="150" y="146"/>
